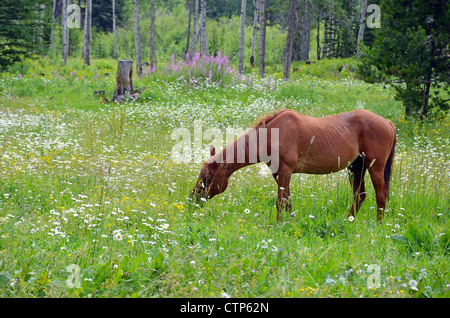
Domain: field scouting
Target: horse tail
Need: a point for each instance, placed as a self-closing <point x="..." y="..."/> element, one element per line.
<point x="390" y="160"/>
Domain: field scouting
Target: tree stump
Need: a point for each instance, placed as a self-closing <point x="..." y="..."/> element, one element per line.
<point x="124" y="79"/>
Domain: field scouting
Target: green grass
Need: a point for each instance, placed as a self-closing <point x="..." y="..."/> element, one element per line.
<point x="94" y="185"/>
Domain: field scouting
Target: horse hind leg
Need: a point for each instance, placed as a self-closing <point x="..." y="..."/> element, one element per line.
<point x="356" y="177"/>
<point x="381" y="192"/>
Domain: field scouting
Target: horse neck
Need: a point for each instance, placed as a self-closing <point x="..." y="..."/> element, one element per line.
<point x="238" y="154"/>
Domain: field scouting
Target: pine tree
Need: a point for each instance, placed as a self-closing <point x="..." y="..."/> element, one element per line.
<point x="19" y="29"/>
<point x="411" y="51"/>
<point x="102" y="13"/>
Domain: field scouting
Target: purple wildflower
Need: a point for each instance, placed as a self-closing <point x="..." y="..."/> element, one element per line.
<point x="172" y="61"/>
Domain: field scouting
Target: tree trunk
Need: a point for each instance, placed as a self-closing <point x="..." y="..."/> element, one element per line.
<point x="84" y="27"/>
<point x="426" y="95"/>
<point x="137" y="39"/>
<point x="290" y="35"/>
<point x="152" y="35"/>
<point x="306" y="31"/>
<point x="407" y="102"/>
<point x="330" y="35"/>
<point x="124" y="80"/>
<point x="65" y="38"/>
<point x="40" y="11"/>
<point x="337" y="42"/>
<point x="318" y="36"/>
<point x="52" y="32"/>
<point x="87" y="33"/>
<point x="242" y="37"/>
<point x="325" y="36"/>
<point x="196" y="29"/>
<point x="334" y="38"/>
<point x="255" y="27"/>
<point x="188" y="42"/>
<point x="428" y="76"/>
<point x="346" y="35"/>
<point x="262" y="38"/>
<point x="329" y="39"/>
<point x="114" y="28"/>
<point x="362" y="26"/>
<point x="203" y="44"/>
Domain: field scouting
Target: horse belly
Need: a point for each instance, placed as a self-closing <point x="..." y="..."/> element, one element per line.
<point x="324" y="161"/>
<point x="326" y="144"/>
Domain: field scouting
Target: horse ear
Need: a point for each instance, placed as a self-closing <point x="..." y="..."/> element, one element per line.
<point x="212" y="150"/>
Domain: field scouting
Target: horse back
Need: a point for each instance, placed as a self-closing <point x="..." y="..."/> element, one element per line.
<point x="329" y="144"/>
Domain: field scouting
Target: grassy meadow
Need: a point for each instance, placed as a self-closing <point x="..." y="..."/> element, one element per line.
<point x="90" y="188"/>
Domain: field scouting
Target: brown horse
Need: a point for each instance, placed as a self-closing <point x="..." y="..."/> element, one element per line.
<point x="358" y="140"/>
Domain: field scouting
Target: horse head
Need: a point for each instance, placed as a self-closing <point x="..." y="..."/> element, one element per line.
<point x="212" y="180"/>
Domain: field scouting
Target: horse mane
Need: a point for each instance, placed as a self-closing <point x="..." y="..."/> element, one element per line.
<point x="262" y="121"/>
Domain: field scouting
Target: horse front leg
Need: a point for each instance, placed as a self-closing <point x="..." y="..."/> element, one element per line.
<point x="284" y="203"/>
